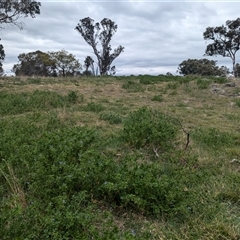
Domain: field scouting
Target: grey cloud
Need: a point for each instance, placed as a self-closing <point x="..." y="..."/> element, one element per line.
<point x="157" y="36"/>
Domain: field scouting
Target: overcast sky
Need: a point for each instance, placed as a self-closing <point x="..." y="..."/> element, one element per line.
<point x="157" y="35"/>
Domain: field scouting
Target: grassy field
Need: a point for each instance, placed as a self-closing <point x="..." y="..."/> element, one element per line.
<point x="137" y="157"/>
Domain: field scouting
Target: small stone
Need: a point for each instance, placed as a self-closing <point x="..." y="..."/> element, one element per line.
<point x="230" y="84"/>
<point x="217" y="90"/>
<point x="235" y="161"/>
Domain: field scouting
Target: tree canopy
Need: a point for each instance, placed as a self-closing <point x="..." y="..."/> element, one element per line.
<point x="35" y="63"/>
<point x="203" y="67"/>
<point x="66" y="63"/>
<point x="60" y="63"/>
<point x="12" y="10"/>
<point x="10" y="13"/>
<point x="238" y="68"/>
<point x="2" y="56"/>
<point x="100" y="32"/>
<point x="225" y="41"/>
<point x="89" y="62"/>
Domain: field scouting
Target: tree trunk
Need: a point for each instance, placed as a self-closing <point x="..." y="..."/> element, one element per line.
<point x="234" y="67"/>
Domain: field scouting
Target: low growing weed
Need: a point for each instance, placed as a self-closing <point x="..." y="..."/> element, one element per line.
<point x="158" y="98"/>
<point x="213" y="138"/>
<point x="33" y="80"/>
<point x="94" y="107"/>
<point x="133" y="86"/>
<point x="237" y="102"/>
<point x="172" y="86"/>
<point x="203" y="83"/>
<point x="72" y="97"/>
<point x="16" y="103"/>
<point x="112" y="118"/>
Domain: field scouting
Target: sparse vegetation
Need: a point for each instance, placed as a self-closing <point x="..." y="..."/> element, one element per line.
<point x="89" y="159"/>
<point x="157" y="98"/>
<point x="112" y="118"/>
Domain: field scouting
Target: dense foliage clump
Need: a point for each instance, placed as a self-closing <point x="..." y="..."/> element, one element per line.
<point x="149" y="128"/>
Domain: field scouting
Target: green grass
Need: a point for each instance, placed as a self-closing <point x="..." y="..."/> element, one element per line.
<point x="157" y="98"/>
<point x="112" y="118"/>
<point x="98" y="158"/>
<point x="17" y="103"/>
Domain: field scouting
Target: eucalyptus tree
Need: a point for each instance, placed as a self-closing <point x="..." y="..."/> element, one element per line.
<point x="202" y="67"/>
<point x="100" y="32"/>
<point x="60" y="63"/>
<point x="89" y="62"/>
<point x="2" y="56"/>
<point x="225" y="41"/>
<point x="66" y="63"/>
<point x="12" y="10"/>
<point x="36" y="63"/>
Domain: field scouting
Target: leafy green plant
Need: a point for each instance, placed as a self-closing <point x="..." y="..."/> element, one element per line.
<point x="163" y="189"/>
<point x="58" y="182"/>
<point x="146" y="127"/>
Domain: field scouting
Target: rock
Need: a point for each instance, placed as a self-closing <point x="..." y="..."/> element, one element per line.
<point x="234" y="161"/>
<point x="230" y="84"/>
<point x="217" y="90"/>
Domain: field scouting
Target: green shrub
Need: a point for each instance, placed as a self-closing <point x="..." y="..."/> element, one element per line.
<point x="57" y="172"/>
<point x="67" y="174"/>
<point x="146" y="127"/>
<point x="160" y="189"/>
<point x="147" y="188"/>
